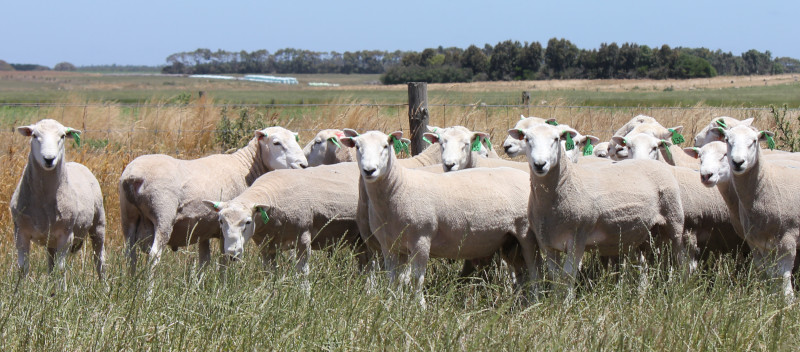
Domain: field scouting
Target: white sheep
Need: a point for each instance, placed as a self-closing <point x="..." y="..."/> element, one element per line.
<point x="415" y="214"/>
<point x="514" y="147"/>
<point x="769" y="202"/>
<point x="703" y="137"/>
<point x="313" y="208"/>
<point x="619" y="152"/>
<point x="601" y="150"/>
<point x="460" y="150"/>
<point x="605" y="206"/>
<point x="56" y="203"/>
<point x="325" y="149"/>
<point x="161" y="197"/>
<point x="646" y="146"/>
<point x="484" y="146"/>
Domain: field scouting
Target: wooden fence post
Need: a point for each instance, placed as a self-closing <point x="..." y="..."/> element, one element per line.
<point x="418" y="115"/>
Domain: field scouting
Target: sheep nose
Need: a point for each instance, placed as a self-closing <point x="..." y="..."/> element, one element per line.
<point x="538" y="166"/>
<point x="49" y="161"/>
<point x="737" y="164"/>
<point x="449" y="166"/>
<point x="704" y="178"/>
<point x="369" y="172"/>
<point x="303" y="165"/>
<point x="506" y="147"/>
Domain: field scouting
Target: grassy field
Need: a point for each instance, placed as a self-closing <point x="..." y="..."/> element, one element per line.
<point x="726" y="306"/>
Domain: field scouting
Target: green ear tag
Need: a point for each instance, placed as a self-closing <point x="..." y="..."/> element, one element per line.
<point x="75" y="136"/>
<point x="333" y="139"/>
<point x="666" y="149"/>
<point x="264" y="216"/>
<point x="216" y="205"/>
<point x="721" y="123"/>
<point x="476" y="145"/>
<point x="570" y="144"/>
<point x="770" y="141"/>
<point x="488" y="143"/>
<point x="588" y="148"/>
<point x="426" y="140"/>
<point x="399" y="145"/>
<point x="297" y="138"/>
<point x="552" y="122"/>
<point x="677" y="138"/>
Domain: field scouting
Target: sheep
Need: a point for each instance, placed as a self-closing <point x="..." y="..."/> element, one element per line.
<point x="459" y="215"/>
<point x="619" y="152"/>
<point x="601" y="150"/>
<point x="484" y="145"/>
<point x="311" y="209"/>
<point x="769" y="202"/>
<point x="646" y="146"/>
<point x="610" y="207"/>
<point x="703" y="137"/>
<point x="161" y="197"/>
<point x="56" y="203"/>
<point x="325" y="149"/>
<point x="460" y="146"/>
<point x="512" y="146"/>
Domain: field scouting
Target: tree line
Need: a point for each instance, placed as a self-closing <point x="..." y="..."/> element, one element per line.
<point x="507" y="60"/>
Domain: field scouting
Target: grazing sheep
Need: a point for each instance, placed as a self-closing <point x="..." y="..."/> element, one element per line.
<point x="769" y="202"/>
<point x="605" y="206"/>
<point x="311" y="209"/>
<point x="56" y="203"/>
<point x="325" y="149"/>
<point x="703" y="137"/>
<point x="415" y="214"/>
<point x="161" y="197"/>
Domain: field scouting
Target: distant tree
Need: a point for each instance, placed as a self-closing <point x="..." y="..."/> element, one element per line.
<point x="690" y="66"/>
<point x="29" y="67"/>
<point x="790" y="65"/>
<point x="4" y="66"/>
<point x="757" y="63"/>
<point x="530" y="60"/>
<point x="559" y="56"/>
<point x="64" y="66"/>
<point x="473" y="58"/>
<point x="504" y="61"/>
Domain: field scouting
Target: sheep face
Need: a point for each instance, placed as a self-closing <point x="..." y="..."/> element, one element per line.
<point x="743" y="147"/>
<point x="704" y="137"/>
<point x="324" y="145"/>
<point x="617" y="151"/>
<point x="236" y="223"/>
<point x="280" y="149"/>
<point x="543" y="145"/>
<point x="714" y="165"/>
<point x="601" y="150"/>
<point x="456" y="145"/>
<point x="47" y="141"/>
<point x="513" y="146"/>
<point x="373" y="153"/>
<point x="643" y="146"/>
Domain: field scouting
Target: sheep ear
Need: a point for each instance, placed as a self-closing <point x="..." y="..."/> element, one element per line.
<point x="521" y="117"/>
<point x="717" y="132"/>
<point x="767" y="136"/>
<point x="594" y="139"/>
<point x="215" y="206"/>
<point x="405" y="141"/>
<point x="551" y="121"/>
<point x="431" y="137"/>
<point x="261" y="209"/>
<point x="516" y="133"/>
<point x="747" y="122"/>
<point x="26" y="131"/>
<point x="396" y="134"/>
<point x="348" y="142"/>
<point x="433" y="128"/>
<point x="73" y="133"/>
<point x="260" y="134"/>
<point x="664" y="144"/>
<point x="694" y="152"/>
<point x="349" y="132"/>
<point x="619" y="140"/>
<point x="677" y="129"/>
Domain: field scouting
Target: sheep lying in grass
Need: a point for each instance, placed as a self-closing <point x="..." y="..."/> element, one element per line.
<point x="310" y="209"/>
<point x="608" y="207"/>
<point x="56" y="203"/>
<point x="415" y="214"/>
<point x="161" y="197"/>
<point x="325" y="149"/>
<point x="769" y="202"/>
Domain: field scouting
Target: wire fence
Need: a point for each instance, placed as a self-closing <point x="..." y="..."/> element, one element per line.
<point x="175" y="128"/>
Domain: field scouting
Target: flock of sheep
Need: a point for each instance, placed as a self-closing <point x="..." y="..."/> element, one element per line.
<point x="456" y="200"/>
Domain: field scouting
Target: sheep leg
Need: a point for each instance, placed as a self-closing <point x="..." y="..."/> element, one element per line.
<point x="51" y="255"/>
<point x="203" y="253"/>
<point x="98" y="246"/>
<point x="572" y="263"/>
<point x="63" y="246"/>
<point x="783" y="266"/>
<point x="419" y="262"/>
<point x="23" y="243"/>
<point x="303" y="250"/>
<point x="131" y="219"/>
<point x="551" y="257"/>
<point x="391" y="261"/>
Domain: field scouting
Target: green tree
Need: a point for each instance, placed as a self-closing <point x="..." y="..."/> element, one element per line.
<point x="473" y="58"/>
<point x="559" y="56"/>
<point x="504" y="60"/>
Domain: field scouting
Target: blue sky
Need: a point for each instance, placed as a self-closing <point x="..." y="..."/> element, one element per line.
<point x="145" y="32"/>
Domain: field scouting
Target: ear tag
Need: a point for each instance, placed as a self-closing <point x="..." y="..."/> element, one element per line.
<point x="552" y="122"/>
<point x="75" y="136"/>
<point x="488" y="143"/>
<point x="677" y="138"/>
<point x="264" y="216"/>
<point x="476" y="145"/>
<point x="770" y="141"/>
<point x="570" y="144"/>
<point x="588" y="148"/>
<point x="399" y="145"/>
<point x="297" y="138"/>
<point x="721" y="123"/>
<point x="334" y="141"/>
<point x="521" y="117"/>
<point x="216" y="205"/>
<point x="262" y="136"/>
<point x="426" y="140"/>
<point x="666" y="149"/>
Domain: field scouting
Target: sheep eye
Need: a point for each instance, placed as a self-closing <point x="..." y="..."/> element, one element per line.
<point x="277" y="143"/>
<point x="62" y="136"/>
<point x="247" y="222"/>
<point x="220" y="222"/>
